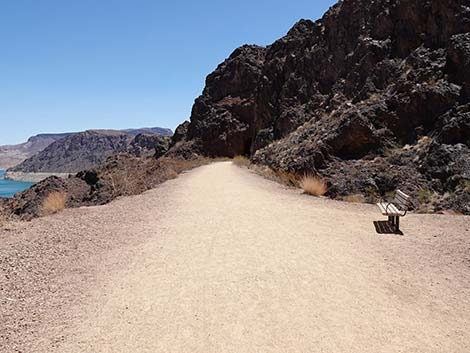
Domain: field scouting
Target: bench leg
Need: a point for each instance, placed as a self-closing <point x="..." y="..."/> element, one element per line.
<point x="391" y="220"/>
<point x="397" y="223"/>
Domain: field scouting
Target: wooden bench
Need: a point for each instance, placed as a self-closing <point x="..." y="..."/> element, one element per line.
<point x="396" y="209"/>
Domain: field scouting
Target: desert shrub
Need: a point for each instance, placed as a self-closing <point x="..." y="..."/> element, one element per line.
<point x="313" y="185"/>
<point x="265" y="172"/>
<point x="288" y="178"/>
<point x="3" y="219"/>
<point x="465" y="185"/>
<point x="172" y="174"/>
<point x="241" y="161"/>
<point x="374" y="98"/>
<point x="371" y="194"/>
<point x="355" y="198"/>
<point x="119" y="183"/>
<point x="132" y="176"/>
<point x="278" y="176"/>
<point x="424" y="196"/>
<point x="54" y="203"/>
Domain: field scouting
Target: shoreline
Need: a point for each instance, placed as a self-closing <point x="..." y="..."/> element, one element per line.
<point x="32" y="177"/>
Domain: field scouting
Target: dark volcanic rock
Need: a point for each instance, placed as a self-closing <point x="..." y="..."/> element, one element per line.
<point x="458" y="61"/>
<point x="146" y="145"/>
<point x="180" y="133"/>
<point x="222" y="117"/>
<point x="356" y="89"/>
<point x="89" y="176"/>
<point x="454" y="126"/>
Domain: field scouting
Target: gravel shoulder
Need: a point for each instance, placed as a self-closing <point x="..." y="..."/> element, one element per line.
<point x="221" y="260"/>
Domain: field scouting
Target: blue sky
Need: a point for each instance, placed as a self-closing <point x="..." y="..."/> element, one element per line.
<point x="69" y="65"/>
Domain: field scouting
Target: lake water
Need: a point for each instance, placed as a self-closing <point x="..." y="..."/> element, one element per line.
<point x="10" y="187"/>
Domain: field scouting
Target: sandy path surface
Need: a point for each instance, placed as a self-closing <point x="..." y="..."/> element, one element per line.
<point x="221" y="260"/>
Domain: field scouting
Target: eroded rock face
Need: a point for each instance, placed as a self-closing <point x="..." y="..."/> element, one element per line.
<point x="222" y="117"/>
<point x="350" y="90"/>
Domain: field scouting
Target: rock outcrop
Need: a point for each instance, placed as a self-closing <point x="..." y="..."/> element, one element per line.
<point x="222" y="117"/>
<point x="373" y="96"/>
<point x="146" y="145"/>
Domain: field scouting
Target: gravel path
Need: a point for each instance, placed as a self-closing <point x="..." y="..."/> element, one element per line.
<point x="221" y="260"/>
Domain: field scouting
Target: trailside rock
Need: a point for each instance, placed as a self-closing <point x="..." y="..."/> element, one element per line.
<point x="222" y="117"/>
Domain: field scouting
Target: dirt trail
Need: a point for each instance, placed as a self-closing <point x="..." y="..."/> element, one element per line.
<point x="230" y="262"/>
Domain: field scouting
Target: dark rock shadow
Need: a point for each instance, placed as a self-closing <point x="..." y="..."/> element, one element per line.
<point x="385" y="227"/>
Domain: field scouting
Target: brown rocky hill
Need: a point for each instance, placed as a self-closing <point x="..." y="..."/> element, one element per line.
<point x="374" y="96"/>
<point x="11" y="155"/>
<point x="88" y="149"/>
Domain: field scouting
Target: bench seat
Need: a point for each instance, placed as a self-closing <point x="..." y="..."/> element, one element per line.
<point x="389" y="209"/>
<point x="395" y="209"/>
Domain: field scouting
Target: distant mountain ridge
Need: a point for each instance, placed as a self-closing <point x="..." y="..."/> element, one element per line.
<point x="70" y="152"/>
<point x="149" y="130"/>
<point x="11" y="155"/>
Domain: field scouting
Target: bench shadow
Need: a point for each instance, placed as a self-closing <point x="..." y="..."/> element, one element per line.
<point x="384" y="227"/>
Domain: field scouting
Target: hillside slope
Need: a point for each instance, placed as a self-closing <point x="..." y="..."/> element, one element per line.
<point x="374" y="96"/>
<point x="11" y="155"/>
<point x="88" y="149"/>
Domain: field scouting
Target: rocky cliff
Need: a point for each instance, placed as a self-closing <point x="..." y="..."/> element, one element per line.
<point x="374" y="96"/>
<point x="88" y="149"/>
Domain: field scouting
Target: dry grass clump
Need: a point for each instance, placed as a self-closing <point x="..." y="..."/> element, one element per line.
<point x="288" y="178"/>
<point x="132" y="176"/>
<point x="6" y="218"/>
<point x="355" y="198"/>
<point x="54" y="203"/>
<point x="241" y="161"/>
<point x="313" y="185"/>
<point x="265" y="172"/>
<point x="279" y="176"/>
<point x="172" y="174"/>
<point x="3" y="219"/>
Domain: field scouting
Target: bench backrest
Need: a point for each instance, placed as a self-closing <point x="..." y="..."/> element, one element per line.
<point x="402" y="200"/>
